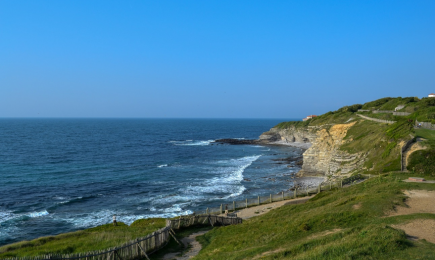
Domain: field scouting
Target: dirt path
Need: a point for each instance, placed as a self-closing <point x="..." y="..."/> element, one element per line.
<point x="412" y="148"/>
<point x="188" y="242"/>
<point x="262" y="209"/>
<point x="419" y="201"/>
<point x="419" y="229"/>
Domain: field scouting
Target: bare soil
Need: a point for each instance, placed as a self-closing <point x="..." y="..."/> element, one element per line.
<point x="419" y="229"/>
<point x="419" y="201"/>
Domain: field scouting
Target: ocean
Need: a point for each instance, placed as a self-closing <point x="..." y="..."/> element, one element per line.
<point x="62" y="175"/>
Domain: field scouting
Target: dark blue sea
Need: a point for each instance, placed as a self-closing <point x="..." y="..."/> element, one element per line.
<point x="62" y="175"/>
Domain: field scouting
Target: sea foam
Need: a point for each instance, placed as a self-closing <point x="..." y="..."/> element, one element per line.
<point x="192" y="142"/>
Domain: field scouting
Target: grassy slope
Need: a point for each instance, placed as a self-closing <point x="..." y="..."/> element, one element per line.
<point x="98" y="238"/>
<point x="423" y="161"/>
<point x="298" y="231"/>
<point x="380" y="142"/>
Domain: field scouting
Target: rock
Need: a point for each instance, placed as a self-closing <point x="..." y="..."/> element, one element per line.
<point x="236" y="141"/>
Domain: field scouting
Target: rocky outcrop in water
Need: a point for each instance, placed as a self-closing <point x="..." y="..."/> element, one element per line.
<point x="237" y="141"/>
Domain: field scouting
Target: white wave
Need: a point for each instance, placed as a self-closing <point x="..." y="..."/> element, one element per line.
<point x="7" y="215"/>
<point x="192" y="143"/>
<point x="59" y="198"/>
<point x="105" y="217"/>
<point x="163" y="165"/>
<point x="228" y="180"/>
<point x="266" y="150"/>
<point x="234" y="173"/>
<point x="38" y="214"/>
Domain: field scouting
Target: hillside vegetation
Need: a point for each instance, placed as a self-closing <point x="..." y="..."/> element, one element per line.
<point x="382" y="142"/>
<point x="97" y="238"/>
<point x="345" y="223"/>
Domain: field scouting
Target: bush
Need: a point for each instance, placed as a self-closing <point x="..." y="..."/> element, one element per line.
<point x="422" y="162"/>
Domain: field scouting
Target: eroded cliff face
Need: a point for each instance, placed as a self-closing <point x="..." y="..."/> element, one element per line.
<point x="323" y="158"/>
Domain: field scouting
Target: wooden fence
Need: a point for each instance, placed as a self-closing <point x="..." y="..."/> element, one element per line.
<point x="142" y="247"/>
<point x="195" y="220"/>
<point x="401" y="113"/>
<point x="382" y="111"/>
<point x="403" y="155"/>
<point x="288" y="195"/>
<point x="426" y="125"/>
<point x="376" y="119"/>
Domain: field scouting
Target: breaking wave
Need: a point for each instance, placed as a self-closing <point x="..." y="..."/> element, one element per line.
<point x="192" y="143"/>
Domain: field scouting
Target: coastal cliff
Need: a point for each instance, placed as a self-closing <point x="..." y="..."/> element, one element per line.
<point x="291" y="134"/>
<point x="324" y="157"/>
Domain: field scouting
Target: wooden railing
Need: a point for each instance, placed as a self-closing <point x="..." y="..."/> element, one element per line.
<point x="142" y="247"/>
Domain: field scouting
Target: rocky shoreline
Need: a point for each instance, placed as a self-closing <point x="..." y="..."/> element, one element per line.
<point x="262" y="142"/>
<point x="300" y="182"/>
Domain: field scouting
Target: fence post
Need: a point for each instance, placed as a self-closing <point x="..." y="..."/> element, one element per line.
<point x="221" y="209"/>
<point x="270" y="198"/>
<point x="206" y="211"/>
<point x="259" y="200"/>
<point x="246" y="203"/>
<point x="282" y="195"/>
<point x="234" y="205"/>
<point x="296" y="193"/>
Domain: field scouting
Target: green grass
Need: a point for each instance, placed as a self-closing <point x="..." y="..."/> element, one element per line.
<point x="97" y="238"/>
<point x="425" y="133"/>
<point x="297" y="231"/>
<point x="372" y="139"/>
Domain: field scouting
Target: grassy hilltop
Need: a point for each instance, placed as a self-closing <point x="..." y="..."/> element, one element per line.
<point x="382" y="142"/>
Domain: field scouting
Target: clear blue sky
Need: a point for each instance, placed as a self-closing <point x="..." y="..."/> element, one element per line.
<point x="227" y="59"/>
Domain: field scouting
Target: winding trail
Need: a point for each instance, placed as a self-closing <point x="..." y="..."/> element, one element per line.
<point x="416" y="146"/>
<point x="189" y="241"/>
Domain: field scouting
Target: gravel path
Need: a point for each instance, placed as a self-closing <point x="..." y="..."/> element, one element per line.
<point x="262" y="209"/>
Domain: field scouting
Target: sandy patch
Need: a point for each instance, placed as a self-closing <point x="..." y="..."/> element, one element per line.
<point x="357" y="206"/>
<point x="419" y="201"/>
<point x="262" y="209"/>
<point x="419" y="229"/>
<point x="414" y="147"/>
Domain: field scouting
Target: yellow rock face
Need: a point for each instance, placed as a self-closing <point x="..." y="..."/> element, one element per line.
<point x="324" y="157"/>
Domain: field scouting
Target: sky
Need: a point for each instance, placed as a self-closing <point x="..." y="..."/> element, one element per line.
<point x="211" y="59"/>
